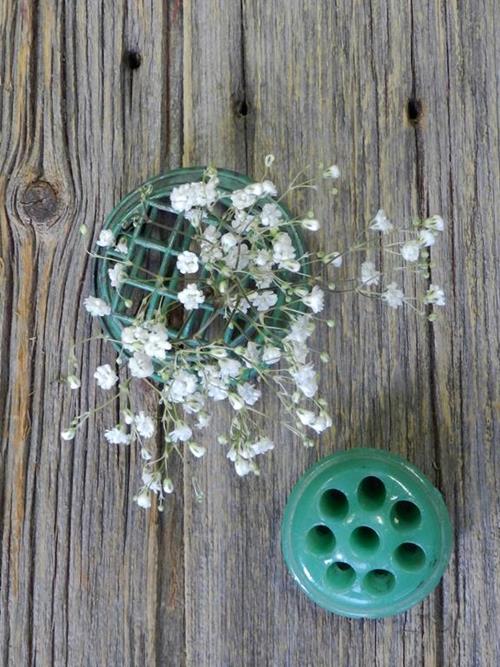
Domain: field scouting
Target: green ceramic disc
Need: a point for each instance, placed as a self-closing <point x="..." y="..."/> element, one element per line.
<point x="365" y="534"/>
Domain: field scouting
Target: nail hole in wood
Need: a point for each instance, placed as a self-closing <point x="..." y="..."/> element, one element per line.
<point x="241" y="108"/>
<point x="414" y="109"/>
<point x="133" y="59"/>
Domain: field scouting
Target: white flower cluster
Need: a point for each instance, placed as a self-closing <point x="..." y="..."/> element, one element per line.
<point x="243" y="265"/>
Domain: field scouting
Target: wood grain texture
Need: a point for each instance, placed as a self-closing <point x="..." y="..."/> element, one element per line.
<point x="85" y="577"/>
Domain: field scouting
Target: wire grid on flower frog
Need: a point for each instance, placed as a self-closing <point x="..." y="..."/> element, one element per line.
<point x="153" y="230"/>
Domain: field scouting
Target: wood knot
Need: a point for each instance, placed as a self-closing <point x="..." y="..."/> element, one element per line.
<point x="39" y="202"/>
<point x="241" y="108"/>
<point x="133" y="59"/>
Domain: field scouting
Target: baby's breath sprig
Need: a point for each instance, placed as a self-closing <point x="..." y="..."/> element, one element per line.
<point x="242" y="260"/>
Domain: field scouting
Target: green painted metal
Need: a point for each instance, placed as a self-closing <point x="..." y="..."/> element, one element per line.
<point x="365" y="534"/>
<point x="155" y="236"/>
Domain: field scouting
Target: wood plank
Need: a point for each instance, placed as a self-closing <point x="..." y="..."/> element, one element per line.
<point x="331" y="82"/>
<point x="82" y="581"/>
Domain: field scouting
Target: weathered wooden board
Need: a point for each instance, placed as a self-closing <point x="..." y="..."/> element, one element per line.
<point x="88" y="579"/>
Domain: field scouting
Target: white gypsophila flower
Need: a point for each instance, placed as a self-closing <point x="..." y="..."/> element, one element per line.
<point x="332" y="172"/>
<point x="122" y="246"/>
<point x="144" y="424"/>
<point x="242" y="199"/>
<point x="152" y="480"/>
<point x="393" y="296"/>
<point x="187" y="262"/>
<point x="117" y="436"/>
<point x="426" y="238"/>
<point x="156" y="342"/>
<point x="191" y="297"/>
<point x="306" y="380"/>
<point x="252" y="354"/>
<point x="292" y="265"/>
<point x="410" y="251"/>
<point x="248" y="393"/>
<point x="435" y="296"/>
<point x="237" y="403"/>
<point x="106" y="238"/>
<point x="105" y="376"/>
<point x="183" y="384"/>
<point x="238" y="257"/>
<point x="68" y="434"/>
<point x="336" y="260"/>
<point x="283" y="248"/>
<point x="229" y="368"/>
<point x="263" y="258"/>
<point x="242" y="221"/>
<point x="197" y="450"/>
<point x="434" y="223"/>
<point x="181" y="433"/>
<point x="311" y="224"/>
<point x="203" y="420"/>
<point x="268" y="188"/>
<point x="262" y="446"/>
<point x="194" y="403"/>
<point x="144" y="499"/>
<point x="315" y="300"/>
<point x="228" y="241"/>
<point x="168" y="485"/>
<point x="140" y="365"/>
<point x="73" y="382"/>
<point x="381" y="223"/>
<point x="269" y="160"/>
<point x="321" y="422"/>
<point x="146" y="454"/>
<point x="300" y="329"/>
<point x="238" y="303"/>
<point x="306" y="417"/>
<point x="128" y="416"/>
<point x="369" y="275"/>
<point x="262" y="301"/>
<point x="195" y="216"/>
<point x="271" y="215"/>
<point x="190" y="195"/>
<point x="215" y="386"/>
<point x="271" y="355"/>
<point x="242" y="466"/>
<point x="117" y="275"/>
<point x="133" y="338"/>
<point x="96" y="307"/>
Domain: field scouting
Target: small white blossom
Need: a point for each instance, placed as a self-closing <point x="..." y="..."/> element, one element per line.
<point x="271" y="355"/>
<point x="191" y="297"/>
<point x="283" y="248"/>
<point x="242" y="466"/>
<point x="228" y="241"/>
<point x="248" y="393"/>
<point x="381" y="223"/>
<point x="152" y="480"/>
<point x="410" y="251"/>
<point x="181" y="433"/>
<point x="117" y="275"/>
<point x="336" y="259"/>
<point x="300" y="329"/>
<point x="97" y="307"/>
<point x="315" y="300"/>
<point x="311" y="224"/>
<point x="306" y="416"/>
<point x="105" y="376"/>
<point x="121" y="246"/>
<point x="242" y="221"/>
<point x="156" y="343"/>
<point x="168" y="485"/>
<point x="434" y="223"/>
<point x="73" y="382"/>
<point x="262" y="446"/>
<point x="321" y="422"/>
<point x="332" y="172"/>
<point x="426" y="238"/>
<point x="182" y="386"/>
<point x="393" y="296"/>
<point x="68" y="434"/>
<point x="242" y="199"/>
<point x="187" y="262"/>
<point x="369" y="275"/>
<point x="306" y="380"/>
<point x="269" y="189"/>
<point x="435" y="296"/>
<point x="229" y="368"/>
<point x="140" y="365"/>
<point x="117" y="436"/>
<point x="238" y="257"/>
<point x="271" y="215"/>
<point x="197" y="450"/>
<point x="144" y="499"/>
<point x="106" y="238"/>
<point x="144" y="424"/>
<point x="263" y="300"/>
